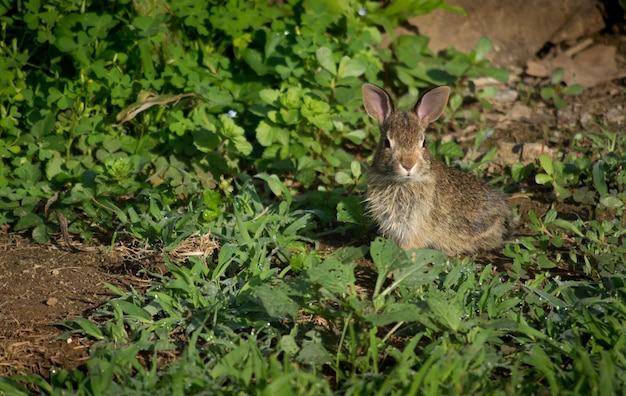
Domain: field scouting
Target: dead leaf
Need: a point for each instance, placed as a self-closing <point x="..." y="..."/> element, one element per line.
<point x="146" y="102"/>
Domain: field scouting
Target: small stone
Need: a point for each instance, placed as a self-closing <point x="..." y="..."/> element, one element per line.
<point x="537" y="69"/>
<point x="506" y="95"/>
<point x="616" y="115"/>
<point x="586" y="120"/>
<point x="52" y="301"/>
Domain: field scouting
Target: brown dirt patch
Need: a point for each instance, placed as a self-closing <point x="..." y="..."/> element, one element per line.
<point x="40" y="285"/>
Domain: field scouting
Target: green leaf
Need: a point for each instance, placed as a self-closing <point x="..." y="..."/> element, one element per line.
<point x="496" y="73"/>
<point x="132" y="310"/>
<point x="235" y="134"/>
<point x="393" y="313"/>
<point x="611" y="201"/>
<point x="552" y="300"/>
<point x="264" y="133"/>
<point x="351" y="67"/>
<point x="544" y="262"/>
<point x="562" y="192"/>
<point x="343" y="178"/>
<point x="143" y="22"/>
<point x="317" y="112"/>
<point x="44" y="126"/>
<point x="80" y="193"/>
<point x="29" y="220"/>
<point x="445" y="311"/>
<point x="82" y="324"/>
<point x="450" y="150"/>
<point x="355" y="167"/>
<point x="278" y="187"/>
<point x="483" y="48"/>
<point x="547" y="93"/>
<point x="566" y="225"/>
<point x="550" y="216"/>
<point x="387" y="256"/>
<point x="270" y="96"/>
<point x="546" y="164"/>
<point x="557" y="76"/>
<point x="255" y="60"/>
<point x="350" y="210"/>
<point x="288" y="345"/>
<point x="276" y="302"/>
<point x="573" y="90"/>
<point x="325" y="58"/>
<point x="335" y="276"/>
<point x="313" y="354"/>
<point x="40" y="234"/>
<point x="597" y="173"/>
<point x="423" y="268"/>
<point x="538" y="358"/>
<point x="542" y="178"/>
<point x="114" y="289"/>
<point x="518" y="171"/>
<point x="54" y="166"/>
<point x="559" y="102"/>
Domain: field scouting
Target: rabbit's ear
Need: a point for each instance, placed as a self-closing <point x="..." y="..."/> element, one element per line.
<point x="377" y="102"/>
<point x="432" y="104"/>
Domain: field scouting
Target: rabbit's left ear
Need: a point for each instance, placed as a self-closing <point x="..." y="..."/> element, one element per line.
<point x="377" y="102"/>
<point x="432" y="104"/>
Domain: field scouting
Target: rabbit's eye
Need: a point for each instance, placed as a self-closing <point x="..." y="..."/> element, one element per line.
<point x="387" y="143"/>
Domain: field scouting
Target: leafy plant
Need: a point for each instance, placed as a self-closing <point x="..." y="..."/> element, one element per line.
<point x="129" y="98"/>
<point x="561" y="174"/>
<point x="555" y="91"/>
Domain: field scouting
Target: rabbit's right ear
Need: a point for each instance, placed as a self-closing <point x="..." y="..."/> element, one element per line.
<point x="377" y="102"/>
<point x="432" y="104"/>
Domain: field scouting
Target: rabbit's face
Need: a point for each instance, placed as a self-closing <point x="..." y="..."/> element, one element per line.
<point x="401" y="149"/>
<point x="401" y="155"/>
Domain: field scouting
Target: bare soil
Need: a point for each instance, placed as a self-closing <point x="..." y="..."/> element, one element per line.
<point x="44" y="284"/>
<point x="40" y="285"/>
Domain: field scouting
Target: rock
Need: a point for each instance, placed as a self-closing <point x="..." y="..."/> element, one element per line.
<point x="518" y="29"/>
<point x="586" y="120"/>
<point x="616" y="115"/>
<point x="506" y="95"/>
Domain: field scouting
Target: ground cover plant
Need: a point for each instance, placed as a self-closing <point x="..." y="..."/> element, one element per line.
<point x="241" y="122"/>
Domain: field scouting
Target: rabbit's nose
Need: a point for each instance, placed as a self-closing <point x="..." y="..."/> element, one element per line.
<point x="407" y="165"/>
<point x="407" y="170"/>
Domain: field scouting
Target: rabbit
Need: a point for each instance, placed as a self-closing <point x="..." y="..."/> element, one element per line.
<point x="416" y="200"/>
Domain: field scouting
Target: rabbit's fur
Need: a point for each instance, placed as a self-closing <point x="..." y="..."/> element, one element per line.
<point x="416" y="200"/>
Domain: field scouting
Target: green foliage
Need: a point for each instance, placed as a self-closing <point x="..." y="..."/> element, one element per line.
<point x="583" y="180"/>
<point x="158" y="121"/>
<point x="109" y="102"/>
<point x="560" y="174"/>
<point x="554" y="93"/>
<point x="236" y="324"/>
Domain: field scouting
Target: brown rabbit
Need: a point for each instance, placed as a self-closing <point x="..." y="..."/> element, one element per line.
<point x="416" y="200"/>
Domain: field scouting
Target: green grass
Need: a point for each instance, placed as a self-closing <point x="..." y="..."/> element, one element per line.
<point x="159" y="125"/>
<point x="267" y="314"/>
